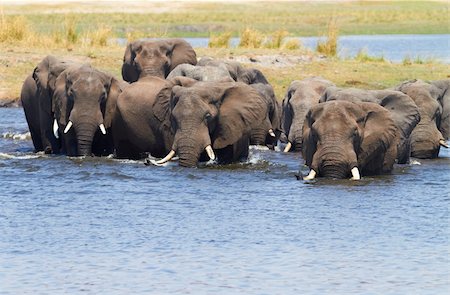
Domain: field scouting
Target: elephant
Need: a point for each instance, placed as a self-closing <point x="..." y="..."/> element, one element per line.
<point x="36" y="97"/>
<point x="236" y="71"/>
<point x="155" y="58"/>
<point x="444" y="100"/>
<point x="266" y="134"/>
<point x="342" y="138"/>
<point x="403" y="111"/>
<point x="300" y="97"/>
<point x="426" y="139"/>
<point x="84" y="104"/>
<point x="201" y="73"/>
<point x="137" y="131"/>
<point x="211" y="120"/>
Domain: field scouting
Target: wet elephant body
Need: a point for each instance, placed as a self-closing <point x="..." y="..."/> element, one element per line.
<point x="403" y="109"/>
<point x="343" y="139"/>
<point x="36" y="96"/>
<point x="426" y="138"/>
<point x="84" y="103"/>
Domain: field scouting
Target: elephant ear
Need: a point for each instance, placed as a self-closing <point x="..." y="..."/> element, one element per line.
<point x="242" y="108"/>
<point x="327" y="95"/>
<point x="40" y="74"/>
<point x="403" y="111"/>
<point x="309" y="145"/>
<point x="377" y="138"/>
<point x="180" y="71"/>
<point x="60" y="100"/>
<point x="114" y="91"/>
<point x="286" y="112"/>
<point x="444" y="100"/>
<point x="180" y="52"/>
<point x="129" y="71"/>
<point x="161" y="106"/>
<point x="252" y="76"/>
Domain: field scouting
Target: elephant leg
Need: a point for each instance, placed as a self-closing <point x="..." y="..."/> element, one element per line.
<point x="237" y="152"/>
<point x="126" y="150"/>
<point x="33" y="124"/>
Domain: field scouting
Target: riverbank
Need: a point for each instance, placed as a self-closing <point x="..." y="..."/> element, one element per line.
<point x="280" y="67"/>
<point x="82" y="31"/>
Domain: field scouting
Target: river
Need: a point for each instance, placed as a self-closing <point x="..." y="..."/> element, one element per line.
<point x="106" y="226"/>
<point x="394" y="48"/>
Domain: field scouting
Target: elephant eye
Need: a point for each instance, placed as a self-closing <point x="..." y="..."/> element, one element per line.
<point x="208" y="116"/>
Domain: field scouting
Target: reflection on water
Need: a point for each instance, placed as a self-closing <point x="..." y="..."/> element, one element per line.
<point x="98" y="225"/>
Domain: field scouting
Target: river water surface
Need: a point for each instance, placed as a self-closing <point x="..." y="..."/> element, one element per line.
<point x="104" y="226"/>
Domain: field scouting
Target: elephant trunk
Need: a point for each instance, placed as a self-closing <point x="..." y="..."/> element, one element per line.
<point x="336" y="162"/>
<point x="188" y="151"/>
<point x="85" y="135"/>
<point x="258" y="136"/>
<point x="296" y="135"/>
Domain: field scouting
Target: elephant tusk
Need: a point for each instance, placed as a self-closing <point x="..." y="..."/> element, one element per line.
<point x="271" y="132"/>
<point x="312" y="174"/>
<point x="102" y="128"/>
<point x="355" y="174"/>
<point x="165" y="159"/>
<point x="288" y="147"/>
<point x="69" y="125"/>
<point x="443" y="143"/>
<point x="55" y="128"/>
<point x="210" y="152"/>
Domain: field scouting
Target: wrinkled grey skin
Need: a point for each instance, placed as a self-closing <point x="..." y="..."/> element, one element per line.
<point x="36" y="97"/>
<point x="426" y="136"/>
<point x="141" y="124"/>
<point x="86" y="97"/>
<point x="300" y="97"/>
<point x="403" y="111"/>
<point x="201" y="73"/>
<point x="212" y="113"/>
<point x="340" y="135"/>
<point x="444" y="100"/>
<point x="236" y="71"/>
<point x="155" y="58"/>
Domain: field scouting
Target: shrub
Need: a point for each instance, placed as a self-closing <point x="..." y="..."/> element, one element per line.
<point x="14" y="28"/>
<point x="362" y="56"/>
<point x="251" y="39"/>
<point x="291" y="44"/>
<point x="329" y="45"/>
<point x="220" y="40"/>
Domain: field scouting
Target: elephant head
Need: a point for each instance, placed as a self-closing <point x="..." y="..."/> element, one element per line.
<point x="403" y="111"/>
<point x="343" y="138"/>
<point x="426" y="139"/>
<point x="84" y="104"/>
<point x="300" y="97"/>
<point x="155" y="58"/>
<point x="210" y="116"/>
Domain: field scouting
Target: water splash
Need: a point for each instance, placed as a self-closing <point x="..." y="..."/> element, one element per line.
<point x="5" y="156"/>
<point x="17" y="136"/>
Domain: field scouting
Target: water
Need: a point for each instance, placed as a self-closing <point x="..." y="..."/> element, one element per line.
<point x="392" y="47"/>
<point x="104" y="226"/>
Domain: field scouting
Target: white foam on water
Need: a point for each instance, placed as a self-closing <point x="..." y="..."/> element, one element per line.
<point x="17" y="136"/>
<point x="258" y="148"/>
<point x="19" y="157"/>
<point x="415" y="162"/>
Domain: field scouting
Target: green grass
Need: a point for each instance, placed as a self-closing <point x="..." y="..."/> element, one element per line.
<point x="26" y="36"/>
<point x="202" y="19"/>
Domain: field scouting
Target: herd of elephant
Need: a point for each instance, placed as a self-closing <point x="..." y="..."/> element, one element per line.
<point x="172" y="104"/>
